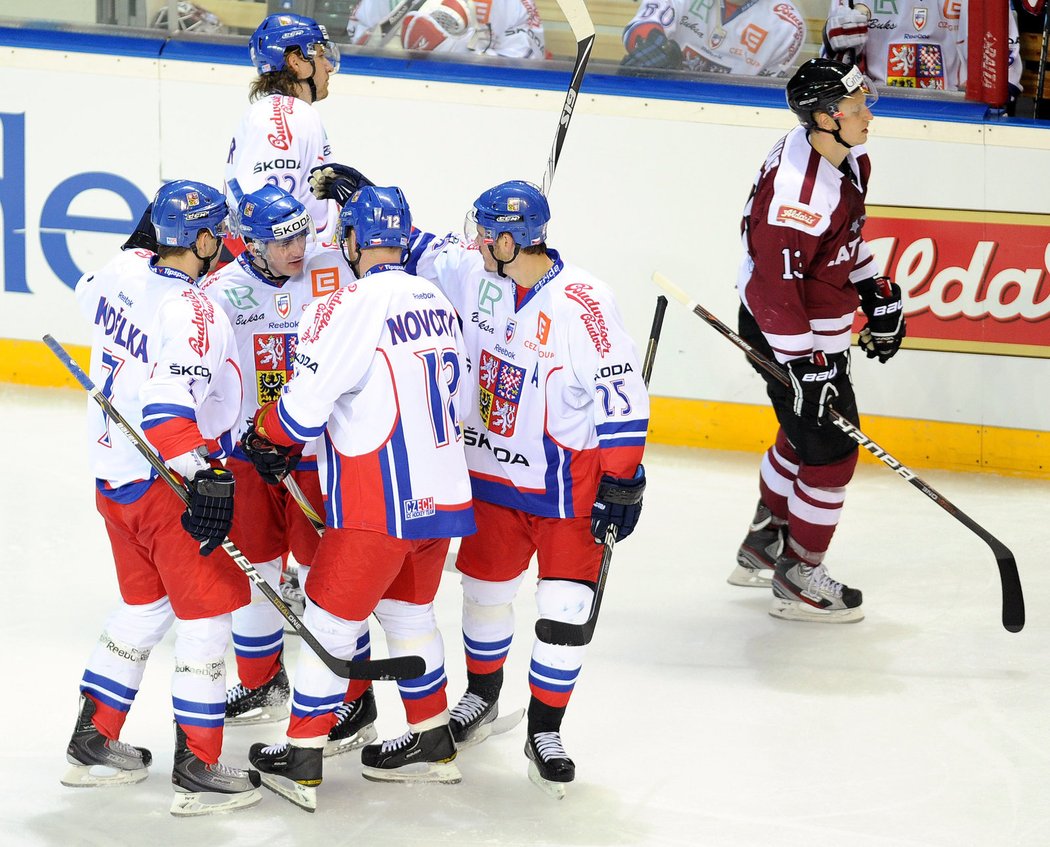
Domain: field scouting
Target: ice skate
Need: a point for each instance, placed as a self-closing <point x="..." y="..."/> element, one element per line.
<point x="204" y="789"/>
<point x="355" y="727"/>
<point x="759" y="551"/>
<point x="426" y="756"/>
<point x="293" y="772"/>
<point x="550" y="767"/>
<point x="99" y="761"/>
<point x="803" y="592"/>
<point x="474" y="719"/>
<point x="266" y="704"/>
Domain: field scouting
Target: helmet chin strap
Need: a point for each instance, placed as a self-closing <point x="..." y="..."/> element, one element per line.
<point x="500" y="264"/>
<point x="263" y="266"/>
<point x="354" y="262"/>
<point x="834" y="133"/>
<point x="207" y="260"/>
<point x="310" y="80"/>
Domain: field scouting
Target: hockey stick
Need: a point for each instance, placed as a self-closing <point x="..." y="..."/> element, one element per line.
<point x="582" y="27"/>
<point x="316" y="521"/>
<point x="401" y="667"/>
<point x="1041" y="78"/>
<point x="388" y="26"/>
<point x="1013" y="598"/>
<point x="576" y="635"/>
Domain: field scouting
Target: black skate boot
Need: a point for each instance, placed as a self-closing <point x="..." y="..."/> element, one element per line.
<point x="100" y="761"/>
<point x="473" y="719"/>
<point x="266" y="704"/>
<point x="803" y="592"/>
<point x="293" y="772"/>
<point x="204" y="789"/>
<point x="550" y="767"/>
<point x="355" y="727"/>
<point x="426" y="756"/>
<point x="764" y="542"/>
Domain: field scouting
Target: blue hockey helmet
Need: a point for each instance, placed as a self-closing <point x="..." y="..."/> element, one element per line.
<point x="183" y="208"/>
<point x="380" y="217"/>
<point x="272" y="214"/>
<point x="279" y="32"/>
<point x="516" y="207"/>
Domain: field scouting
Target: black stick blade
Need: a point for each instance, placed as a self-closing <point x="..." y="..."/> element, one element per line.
<point x="564" y="634"/>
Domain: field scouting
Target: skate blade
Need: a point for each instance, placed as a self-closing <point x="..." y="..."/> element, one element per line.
<point x="264" y="714"/>
<point x="101" y="776"/>
<point x="555" y="790"/>
<point x="751" y="578"/>
<point x="188" y="804"/>
<point x="303" y="796"/>
<point x="418" y="772"/>
<point x="365" y="735"/>
<point x="794" y="610"/>
<point x="502" y="724"/>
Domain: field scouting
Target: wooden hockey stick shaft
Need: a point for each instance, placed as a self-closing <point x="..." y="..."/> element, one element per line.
<point x="1013" y="597"/>
<point x="316" y="521"/>
<point x="576" y="635"/>
<point x="401" y="667"/>
<point x="582" y="27"/>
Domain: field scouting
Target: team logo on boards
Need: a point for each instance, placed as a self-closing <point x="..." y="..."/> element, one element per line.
<point x="282" y="302"/>
<point x="499" y="392"/>
<point x="274" y="354"/>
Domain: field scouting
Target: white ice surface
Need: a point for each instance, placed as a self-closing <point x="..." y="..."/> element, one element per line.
<point x="698" y="719"/>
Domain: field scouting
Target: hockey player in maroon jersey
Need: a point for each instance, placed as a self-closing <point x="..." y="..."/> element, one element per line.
<point x="805" y="270"/>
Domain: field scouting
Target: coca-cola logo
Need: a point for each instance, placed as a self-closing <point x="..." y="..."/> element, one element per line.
<point x="976" y="283"/>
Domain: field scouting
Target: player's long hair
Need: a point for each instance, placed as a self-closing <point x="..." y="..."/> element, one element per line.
<point x="282" y="82"/>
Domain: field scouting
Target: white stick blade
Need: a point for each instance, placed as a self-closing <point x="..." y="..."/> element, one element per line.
<point x="579" y="20"/>
<point x="672" y="289"/>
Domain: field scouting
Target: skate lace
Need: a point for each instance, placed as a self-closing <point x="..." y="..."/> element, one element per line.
<point x="236" y="693"/>
<point x="820" y="581"/>
<point x="225" y="770"/>
<point x="124" y="749"/>
<point x="343" y="711"/>
<point x="396" y="743"/>
<point x="275" y="749"/>
<point x="292" y="593"/>
<point x="468" y="708"/>
<point x="548" y="745"/>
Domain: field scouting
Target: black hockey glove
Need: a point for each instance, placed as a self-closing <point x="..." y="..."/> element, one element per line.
<point x="145" y="236"/>
<point x="882" y="302"/>
<point x="210" y="513"/>
<point x="336" y="182"/>
<point x="654" y="52"/>
<point x="618" y="503"/>
<point x="273" y="461"/>
<point x="812" y="386"/>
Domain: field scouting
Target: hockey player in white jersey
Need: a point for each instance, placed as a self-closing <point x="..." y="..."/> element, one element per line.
<point x="264" y="292"/>
<point x="281" y="137"/>
<point x="166" y="358"/>
<point x="752" y="38"/>
<point x="561" y="413"/>
<point x="510" y="29"/>
<point x="377" y="373"/>
<point x="921" y="44"/>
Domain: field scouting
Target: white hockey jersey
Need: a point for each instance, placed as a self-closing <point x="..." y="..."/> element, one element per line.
<point x="166" y="358"/>
<point x="265" y="318"/>
<point x="378" y="372"/>
<point x="560" y="395"/>
<point x="755" y="37"/>
<point x="922" y="44"/>
<point x="278" y="141"/>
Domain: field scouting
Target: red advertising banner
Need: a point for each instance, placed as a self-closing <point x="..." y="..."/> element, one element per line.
<point x="976" y="282"/>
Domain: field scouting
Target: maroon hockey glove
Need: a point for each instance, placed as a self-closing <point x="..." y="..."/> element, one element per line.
<point x="883" y="303"/>
<point x="210" y="513"/>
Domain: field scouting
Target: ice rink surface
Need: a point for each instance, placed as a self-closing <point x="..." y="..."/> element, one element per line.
<point x="698" y="719"/>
